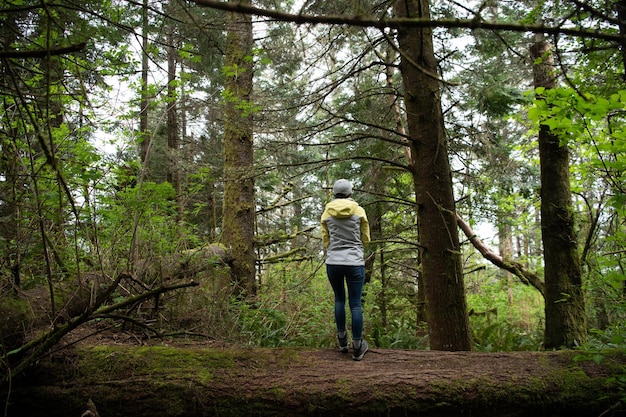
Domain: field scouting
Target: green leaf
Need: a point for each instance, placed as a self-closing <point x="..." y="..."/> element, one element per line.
<point x="598" y="358"/>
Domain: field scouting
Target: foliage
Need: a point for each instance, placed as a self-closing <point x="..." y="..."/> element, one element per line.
<point x="293" y="309"/>
<point x="298" y="312"/>
<point x="611" y="338"/>
<point x="506" y="316"/>
<point x="15" y="314"/>
<point x="598" y="349"/>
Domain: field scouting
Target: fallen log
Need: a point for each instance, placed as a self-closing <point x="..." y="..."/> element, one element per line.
<point x="155" y="381"/>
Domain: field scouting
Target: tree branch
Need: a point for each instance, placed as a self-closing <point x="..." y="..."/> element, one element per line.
<point x="19" y="358"/>
<point x="513" y="267"/>
<point x="42" y="53"/>
<point x="407" y="22"/>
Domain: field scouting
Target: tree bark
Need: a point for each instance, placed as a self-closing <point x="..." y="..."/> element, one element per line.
<point x="164" y="381"/>
<point x="239" y="206"/>
<point x="566" y="323"/>
<point x="442" y="272"/>
<point x="400" y="122"/>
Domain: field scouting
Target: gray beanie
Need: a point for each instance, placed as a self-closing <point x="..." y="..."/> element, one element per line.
<point x="342" y="188"/>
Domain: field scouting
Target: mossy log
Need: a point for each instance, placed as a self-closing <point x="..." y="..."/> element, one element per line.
<point x="195" y="381"/>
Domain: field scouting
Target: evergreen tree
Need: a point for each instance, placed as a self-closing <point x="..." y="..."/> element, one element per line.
<point x="442" y="274"/>
<point x="239" y="196"/>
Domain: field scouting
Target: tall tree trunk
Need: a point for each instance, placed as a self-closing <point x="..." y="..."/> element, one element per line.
<point x="239" y="208"/>
<point x="620" y="6"/>
<point x="420" y="310"/>
<point x="566" y="323"/>
<point x="448" y="321"/>
<point x="173" y="135"/>
<point x="11" y="251"/>
<point x="143" y="137"/>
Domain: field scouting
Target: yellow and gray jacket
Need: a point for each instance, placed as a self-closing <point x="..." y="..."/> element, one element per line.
<point x="345" y="230"/>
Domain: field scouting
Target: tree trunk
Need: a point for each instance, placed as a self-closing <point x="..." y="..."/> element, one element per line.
<point x="239" y="207"/>
<point x="400" y="122"/>
<point x="163" y="381"/>
<point x="448" y="322"/>
<point x="566" y="323"/>
<point x="143" y="137"/>
<point x="173" y="135"/>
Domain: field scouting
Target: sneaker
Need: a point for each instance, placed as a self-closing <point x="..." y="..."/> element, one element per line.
<point x="358" y="354"/>
<point x="343" y="343"/>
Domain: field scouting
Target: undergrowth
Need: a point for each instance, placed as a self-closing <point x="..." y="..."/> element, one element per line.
<point x="294" y="308"/>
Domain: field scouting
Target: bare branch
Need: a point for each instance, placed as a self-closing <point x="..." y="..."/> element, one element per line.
<point x="408" y="22"/>
<point x="513" y="267"/>
<point x="38" y="347"/>
<point x="42" y="53"/>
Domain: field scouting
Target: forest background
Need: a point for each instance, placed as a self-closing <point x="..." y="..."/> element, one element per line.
<point x="165" y="164"/>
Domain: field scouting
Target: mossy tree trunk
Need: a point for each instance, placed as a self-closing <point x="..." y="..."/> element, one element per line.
<point x="442" y="273"/>
<point x="566" y="323"/>
<point x="163" y="381"/>
<point x="239" y="208"/>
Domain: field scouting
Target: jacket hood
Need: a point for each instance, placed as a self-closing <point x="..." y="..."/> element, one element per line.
<point x="342" y="207"/>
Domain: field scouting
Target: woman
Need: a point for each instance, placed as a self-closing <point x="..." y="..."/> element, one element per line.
<point x="345" y="230"/>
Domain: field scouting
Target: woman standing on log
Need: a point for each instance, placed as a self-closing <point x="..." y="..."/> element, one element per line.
<point x="345" y="230"/>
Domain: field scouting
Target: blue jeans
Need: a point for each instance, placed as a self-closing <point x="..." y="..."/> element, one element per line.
<point x="354" y="278"/>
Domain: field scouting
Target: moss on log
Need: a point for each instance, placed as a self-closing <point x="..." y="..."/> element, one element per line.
<point x="157" y="381"/>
